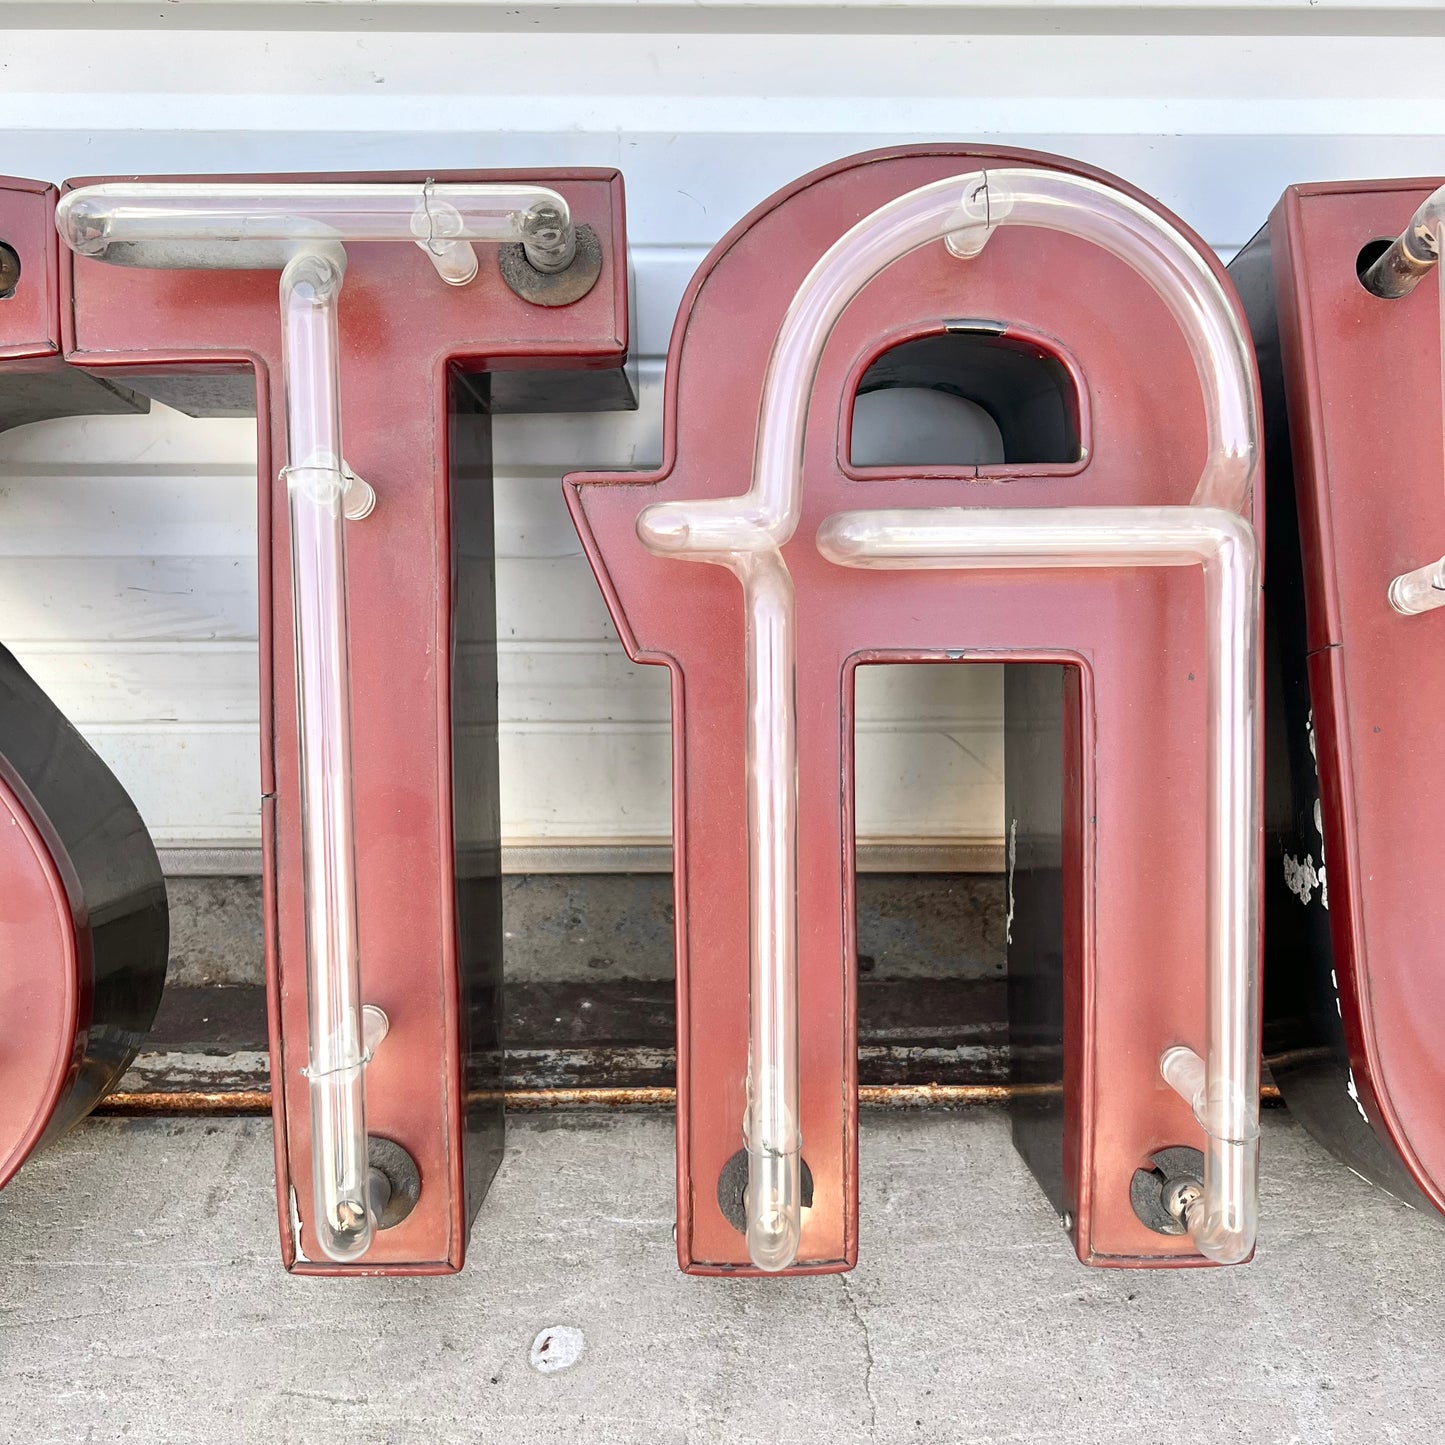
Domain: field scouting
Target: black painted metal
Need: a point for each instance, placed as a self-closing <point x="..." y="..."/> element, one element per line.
<point x="476" y="784"/>
<point x="1028" y="393"/>
<point x="1035" y="697"/>
<point x="1304" y="1034"/>
<point x="122" y="895"/>
<point x="46" y="390"/>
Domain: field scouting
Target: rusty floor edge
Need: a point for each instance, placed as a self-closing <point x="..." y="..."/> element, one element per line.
<point x="873" y="1096"/>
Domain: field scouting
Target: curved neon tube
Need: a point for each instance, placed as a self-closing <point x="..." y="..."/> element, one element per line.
<point x="1223" y="1087"/>
<point x="299" y="229"/>
<point x="736" y="532"/>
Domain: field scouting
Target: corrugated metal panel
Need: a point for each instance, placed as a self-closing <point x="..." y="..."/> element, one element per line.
<point x="127" y="545"/>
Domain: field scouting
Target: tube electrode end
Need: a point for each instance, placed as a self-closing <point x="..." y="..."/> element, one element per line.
<point x="550" y="239"/>
<point x="774" y="1209"/>
<point x="80" y="220"/>
<point x="551" y="284"/>
<point x="1404" y="264"/>
<point x="349" y="1233"/>
<point x="664" y="528"/>
<point x="394" y="1181"/>
<point x="843" y="539"/>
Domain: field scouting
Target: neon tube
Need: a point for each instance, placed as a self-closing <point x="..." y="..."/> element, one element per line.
<point x="1396" y="273"/>
<point x="1406" y="261"/>
<point x="746" y="534"/>
<point x="167" y="226"/>
<point x="1223" y="1087"/>
<point x="315" y="490"/>
<point x="299" y="229"/>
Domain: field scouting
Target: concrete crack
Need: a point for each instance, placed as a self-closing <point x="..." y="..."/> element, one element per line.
<point x="862" y="1324"/>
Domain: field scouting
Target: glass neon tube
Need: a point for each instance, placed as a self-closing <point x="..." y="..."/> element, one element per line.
<point x="161" y="225"/>
<point x="299" y="230"/>
<point x="315" y="493"/>
<point x="1223" y="1087"/>
<point x="1409" y="258"/>
<point x="746" y="534"/>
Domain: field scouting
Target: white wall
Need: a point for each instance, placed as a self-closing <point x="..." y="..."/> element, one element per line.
<point x="127" y="545"/>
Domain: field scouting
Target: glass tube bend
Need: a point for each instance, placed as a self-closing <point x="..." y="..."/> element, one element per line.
<point x="746" y="534"/>
<point x="259" y="226"/>
<point x="1222" y="1088"/>
<point x="300" y="229"/>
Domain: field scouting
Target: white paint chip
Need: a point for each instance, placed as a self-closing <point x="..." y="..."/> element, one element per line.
<point x="1354" y="1093"/>
<point x="296" y="1227"/>
<point x="558" y="1347"/>
<point x="1013" y="856"/>
<point x="1301" y="878"/>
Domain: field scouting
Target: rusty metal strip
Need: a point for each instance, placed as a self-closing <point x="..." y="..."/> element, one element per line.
<point x="229" y="1101"/>
<point x="877" y="1096"/>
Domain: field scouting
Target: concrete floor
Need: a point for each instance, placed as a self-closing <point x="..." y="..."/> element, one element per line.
<point x="141" y="1300"/>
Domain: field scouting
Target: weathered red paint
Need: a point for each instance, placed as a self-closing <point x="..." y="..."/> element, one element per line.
<point x="40" y="974"/>
<point x="1135" y="784"/>
<point x="408" y="346"/>
<point x="30" y="319"/>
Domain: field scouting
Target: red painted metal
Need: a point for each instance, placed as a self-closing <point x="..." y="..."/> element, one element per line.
<point x="30" y="319"/>
<point x="418" y="360"/>
<point x="1362" y="380"/>
<point x="83" y="920"/>
<point x="1133" y="773"/>
<point x="38" y="385"/>
<point x="40" y="974"/>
